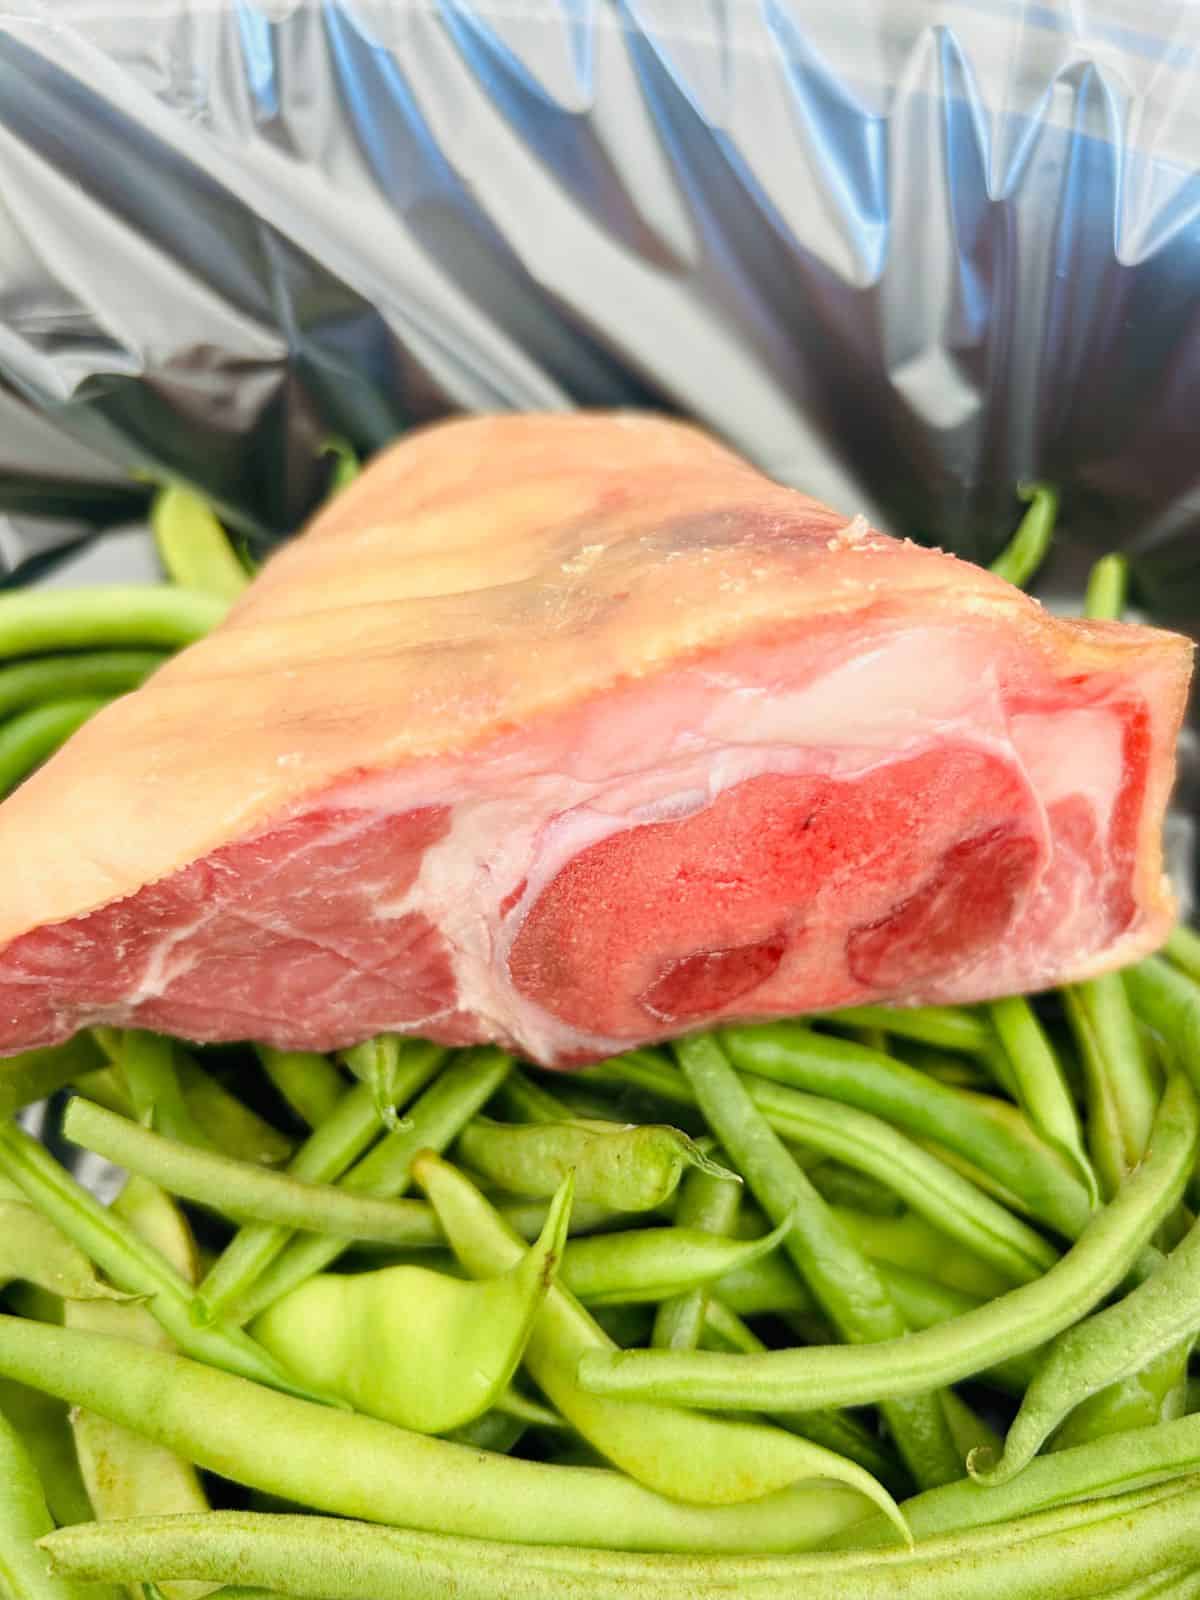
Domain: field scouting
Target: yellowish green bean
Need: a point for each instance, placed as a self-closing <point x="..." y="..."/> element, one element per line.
<point x="415" y="1347"/>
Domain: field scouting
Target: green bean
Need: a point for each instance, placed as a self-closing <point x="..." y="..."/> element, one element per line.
<point x="846" y="1186"/>
<point x="709" y="1205"/>
<point x="704" y="1460"/>
<point x="840" y="1070"/>
<point x="132" y="1265"/>
<point x="1158" y="1393"/>
<point x="34" y="621"/>
<point x="527" y="1101"/>
<point x="346" y="466"/>
<point x="628" y="1168"/>
<point x="237" y="1187"/>
<point x="1110" y="1466"/>
<point x="1104" y="1348"/>
<point x="653" y="1264"/>
<point x="124" y="1474"/>
<point x="330" y="1150"/>
<point x="28" y="738"/>
<point x="355" y="1466"/>
<point x="226" y="1123"/>
<point x="1121" y="1094"/>
<point x="870" y="1144"/>
<point x="945" y="1027"/>
<point x="193" y="546"/>
<point x="843" y="1281"/>
<point x="44" y="1429"/>
<point x="493" y="1431"/>
<point x="24" y="1519"/>
<point x="37" y="1074"/>
<point x="835" y="1430"/>
<point x="915" y="1244"/>
<point x="434" y="1120"/>
<point x="1016" y="1322"/>
<point x="971" y="1434"/>
<point x="67" y="677"/>
<point x="1183" y="949"/>
<point x="380" y="1063"/>
<point x="415" y="1347"/>
<point x="1074" y="1553"/>
<point x="1041" y="1086"/>
<point x="33" y="1250"/>
<point x="1022" y="556"/>
<point x="1170" y="1002"/>
<point x="309" y="1084"/>
<point x="1106" y="588"/>
<point x="771" y="1286"/>
<point x="147" y="1064"/>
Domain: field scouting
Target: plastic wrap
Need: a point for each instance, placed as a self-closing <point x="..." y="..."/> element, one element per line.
<point x="902" y="253"/>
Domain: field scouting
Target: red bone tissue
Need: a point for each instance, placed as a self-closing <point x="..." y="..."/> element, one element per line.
<point x="577" y="732"/>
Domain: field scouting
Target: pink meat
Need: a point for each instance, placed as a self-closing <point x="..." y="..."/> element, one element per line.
<point x="575" y="733"/>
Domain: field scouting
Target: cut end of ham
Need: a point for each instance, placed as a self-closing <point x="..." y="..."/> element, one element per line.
<point x="576" y="733"/>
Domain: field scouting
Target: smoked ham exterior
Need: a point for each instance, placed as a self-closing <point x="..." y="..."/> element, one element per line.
<point x="575" y="732"/>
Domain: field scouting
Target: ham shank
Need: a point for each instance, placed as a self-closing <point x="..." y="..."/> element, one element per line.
<point x="575" y="732"/>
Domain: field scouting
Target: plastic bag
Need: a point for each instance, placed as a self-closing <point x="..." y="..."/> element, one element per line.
<point x="902" y="253"/>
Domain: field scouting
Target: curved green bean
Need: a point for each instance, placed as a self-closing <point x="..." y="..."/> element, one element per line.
<point x="1041" y="1085"/>
<point x="1022" y="556"/>
<point x="703" y="1460"/>
<point x="1107" y="584"/>
<point x="629" y="1168"/>
<point x="309" y="1084"/>
<point x="844" y="1282"/>
<point x="193" y="546"/>
<point x="44" y="1428"/>
<point x="239" y="1188"/>
<point x="329" y="1151"/>
<point x="1121" y="1092"/>
<point x="1157" y="1393"/>
<point x="380" y="1062"/>
<point x="37" y="1074"/>
<point x="871" y="1145"/>
<point x="33" y="1250"/>
<point x="355" y="1466"/>
<point x="101" y="673"/>
<point x="132" y="1264"/>
<point x="414" y="1347"/>
<point x="34" y="621"/>
<point x="433" y="1121"/>
<point x="147" y="1065"/>
<point x="841" y="1070"/>
<point x="1074" y="1553"/>
<point x="24" y="1519"/>
<point x="836" y="1430"/>
<point x="1104" y="1348"/>
<point x="28" y="738"/>
<point x="944" y="1027"/>
<point x="651" y="1264"/>
<point x="1170" y="1002"/>
<point x="1114" y="1465"/>
<point x="125" y="1474"/>
<point x="1016" y="1322"/>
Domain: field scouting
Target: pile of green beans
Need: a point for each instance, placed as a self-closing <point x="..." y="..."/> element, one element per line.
<point x="870" y="1305"/>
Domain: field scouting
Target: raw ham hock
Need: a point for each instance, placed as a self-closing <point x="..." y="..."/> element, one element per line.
<point x="576" y="732"/>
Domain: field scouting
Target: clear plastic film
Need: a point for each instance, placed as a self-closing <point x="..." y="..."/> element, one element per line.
<point x="903" y="253"/>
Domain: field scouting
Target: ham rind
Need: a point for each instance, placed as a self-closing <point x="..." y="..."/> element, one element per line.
<point x="573" y="733"/>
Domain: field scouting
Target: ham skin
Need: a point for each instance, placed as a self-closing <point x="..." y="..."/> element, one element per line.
<point x="575" y="732"/>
